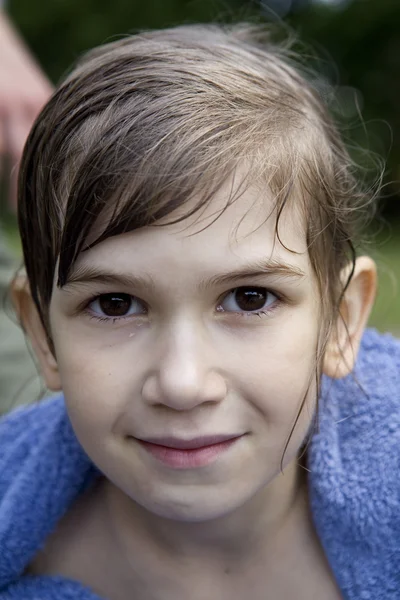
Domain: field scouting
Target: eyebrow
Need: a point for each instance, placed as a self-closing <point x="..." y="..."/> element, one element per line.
<point x="256" y="269"/>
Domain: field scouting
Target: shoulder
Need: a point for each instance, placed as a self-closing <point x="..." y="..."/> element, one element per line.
<point x="16" y="422"/>
<point x="354" y="462"/>
<point x="22" y="429"/>
<point x="39" y="439"/>
<point x="42" y="470"/>
<point x="372" y="389"/>
<point x="378" y="362"/>
<point x="25" y="421"/>
<point x="360" y="414"/>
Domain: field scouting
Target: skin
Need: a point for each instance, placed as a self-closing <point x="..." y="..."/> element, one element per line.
<point x="189" y="362"/>
<point x="24" y="89"/>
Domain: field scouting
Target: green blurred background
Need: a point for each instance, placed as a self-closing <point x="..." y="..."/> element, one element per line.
<point x="358" y="42"/>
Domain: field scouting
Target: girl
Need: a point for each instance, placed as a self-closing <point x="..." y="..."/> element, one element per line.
<point x="189" y="215"/>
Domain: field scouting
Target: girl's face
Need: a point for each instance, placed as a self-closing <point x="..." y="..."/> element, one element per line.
<point x="184" y="354"/>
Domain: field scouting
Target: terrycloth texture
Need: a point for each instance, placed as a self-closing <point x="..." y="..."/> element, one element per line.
<point x="42" y="470"/>
<point x="355" y="473"/>
<point x="354" y="483"/>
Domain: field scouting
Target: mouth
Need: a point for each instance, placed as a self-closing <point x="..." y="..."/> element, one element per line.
<point x="188" y="454"/>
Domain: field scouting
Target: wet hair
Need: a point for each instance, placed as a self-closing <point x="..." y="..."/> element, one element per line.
<point x="145" y="124"/>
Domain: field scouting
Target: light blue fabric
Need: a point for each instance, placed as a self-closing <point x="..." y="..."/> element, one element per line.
<point x="42" y="470"/>
<point x="355" y="473"/>
<point x="354" y="483"/>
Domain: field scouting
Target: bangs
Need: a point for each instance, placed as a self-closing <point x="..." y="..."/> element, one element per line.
<point x="147" y="129"/>
<point x="146" y="156"/>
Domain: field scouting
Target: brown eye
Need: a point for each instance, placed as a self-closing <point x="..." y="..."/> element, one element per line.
<point x="116" y="305"/>
<point x="248" y="299"/>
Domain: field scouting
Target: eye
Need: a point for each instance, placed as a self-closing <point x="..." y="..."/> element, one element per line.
<point x="248" y="299"/>
<point x="116" y="305"/>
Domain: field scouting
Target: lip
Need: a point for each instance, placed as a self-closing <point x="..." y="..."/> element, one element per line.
<point x="194" y="443"/>
<point x="188" y="454"/>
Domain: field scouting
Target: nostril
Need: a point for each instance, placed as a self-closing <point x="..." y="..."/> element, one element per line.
<point x="180" y="392"/>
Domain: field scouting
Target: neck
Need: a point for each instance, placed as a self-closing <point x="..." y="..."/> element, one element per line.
<point x="236" y="537"/>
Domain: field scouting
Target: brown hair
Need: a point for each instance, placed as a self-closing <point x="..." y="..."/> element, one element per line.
<point x="143" y="124"/>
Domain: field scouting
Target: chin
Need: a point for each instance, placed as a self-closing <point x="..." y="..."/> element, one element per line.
<point x="192" y="505"/>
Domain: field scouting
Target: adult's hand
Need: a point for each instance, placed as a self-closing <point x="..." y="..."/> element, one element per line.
<point x="24" y="89"/>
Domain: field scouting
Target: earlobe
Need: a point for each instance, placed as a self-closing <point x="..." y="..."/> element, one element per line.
<point x="29" y="318"/>
<point x="355" y="309"/>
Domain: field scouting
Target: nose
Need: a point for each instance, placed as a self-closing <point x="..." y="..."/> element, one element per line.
<point x="184" y="376"/>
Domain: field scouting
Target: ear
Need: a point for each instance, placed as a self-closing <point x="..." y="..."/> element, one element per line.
<point x="32" y="325"/>
<point x="343" y="346"/>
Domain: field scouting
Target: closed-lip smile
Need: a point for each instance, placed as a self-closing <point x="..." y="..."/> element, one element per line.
<point x="191" y="453"/>
<point x="199" y="442"/>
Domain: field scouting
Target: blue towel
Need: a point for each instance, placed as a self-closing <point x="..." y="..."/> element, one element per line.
<point x="355" y="473"/>
<point x="354" y="482"/>
<point x="42" y="470"/>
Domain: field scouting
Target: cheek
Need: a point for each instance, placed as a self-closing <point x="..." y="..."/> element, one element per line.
<point x="96" y="381"/>
<point x="278" y="373"/>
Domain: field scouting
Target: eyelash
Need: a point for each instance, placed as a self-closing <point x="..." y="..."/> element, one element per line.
<point x="261" y="313"/>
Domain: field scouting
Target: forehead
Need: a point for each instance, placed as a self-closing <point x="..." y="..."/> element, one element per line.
<point x="218" y="235"/>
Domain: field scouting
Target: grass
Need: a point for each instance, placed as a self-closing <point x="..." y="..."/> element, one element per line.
<point x="385" y="251"/>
